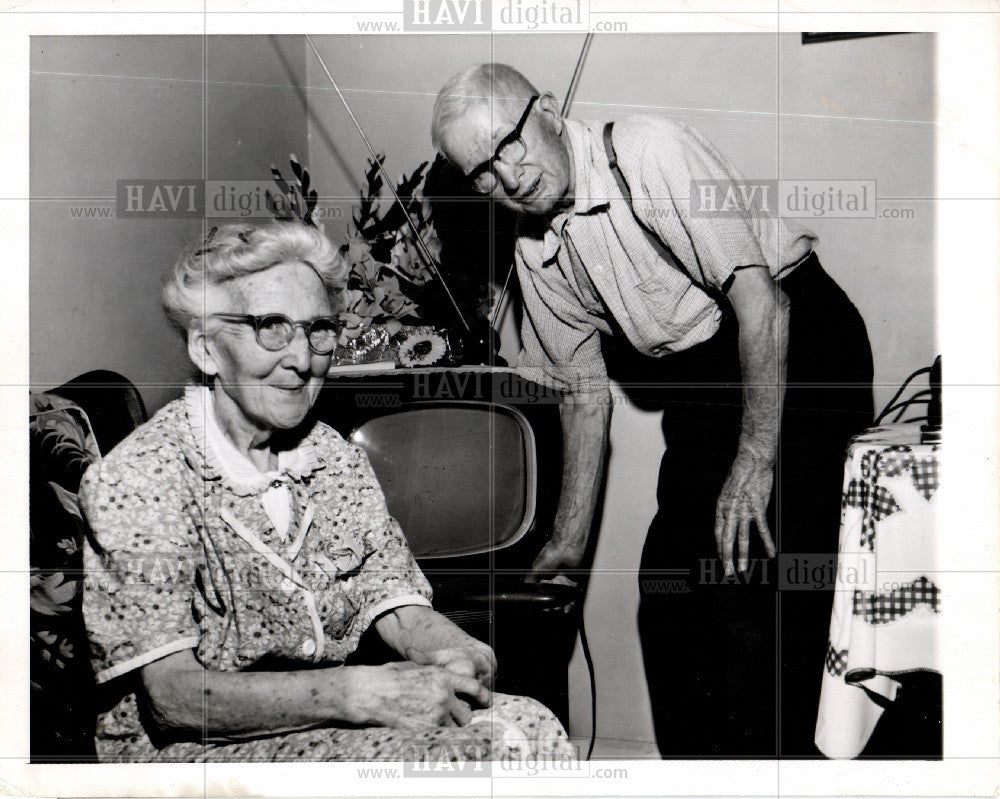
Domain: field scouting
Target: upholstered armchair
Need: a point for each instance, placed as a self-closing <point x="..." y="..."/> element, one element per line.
<point x="62" y="445"/>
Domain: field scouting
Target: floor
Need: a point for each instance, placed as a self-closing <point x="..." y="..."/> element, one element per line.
<point x="614" y="749"/>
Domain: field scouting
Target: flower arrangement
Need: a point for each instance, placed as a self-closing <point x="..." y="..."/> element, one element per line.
<point x="385" y="269"/>
<point x="380" y="253"/>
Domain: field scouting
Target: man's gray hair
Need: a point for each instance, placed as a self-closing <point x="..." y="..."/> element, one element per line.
<point x="235" y="251"/>
<point x="474" y="87"/>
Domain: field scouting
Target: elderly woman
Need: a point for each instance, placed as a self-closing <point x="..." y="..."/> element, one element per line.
<point x="232" y="533"/>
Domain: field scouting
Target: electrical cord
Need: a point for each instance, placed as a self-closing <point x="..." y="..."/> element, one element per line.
<point x="891" y="406"/>
<point x="920" y="398"/>
<point x="593" y="680"/>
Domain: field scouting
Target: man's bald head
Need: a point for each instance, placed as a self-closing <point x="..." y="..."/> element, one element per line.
<point x="485" y="85"/>
<point x="477" y="111"/>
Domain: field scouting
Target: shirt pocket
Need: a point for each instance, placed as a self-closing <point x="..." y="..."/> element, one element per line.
<point x="674" y="309"/>
<point x="343" y="616"/>
<point x="341" y="557"/>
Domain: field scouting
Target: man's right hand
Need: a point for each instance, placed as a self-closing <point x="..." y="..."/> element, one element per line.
<point x="585" y="423"/>
<point x="411" y="696"/>
<point x="556" y="558"/>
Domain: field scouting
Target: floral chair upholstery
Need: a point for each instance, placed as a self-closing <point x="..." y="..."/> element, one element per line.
<point x="62" y="446"/>
<point x="69" y="428"/>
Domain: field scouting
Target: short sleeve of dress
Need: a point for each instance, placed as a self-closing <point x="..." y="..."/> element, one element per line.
<point x="137" y="600"/>
<point x="390" y="576"/>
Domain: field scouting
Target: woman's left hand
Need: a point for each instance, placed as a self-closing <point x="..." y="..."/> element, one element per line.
<point x="472" y="661"/>
<point x="424" y="636"/>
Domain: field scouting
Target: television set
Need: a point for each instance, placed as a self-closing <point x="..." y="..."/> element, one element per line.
<point x="470" y="460"/>
<point x="460" y="477"/>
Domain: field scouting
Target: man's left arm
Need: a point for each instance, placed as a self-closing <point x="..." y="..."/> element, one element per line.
<point x="761" y="309"/>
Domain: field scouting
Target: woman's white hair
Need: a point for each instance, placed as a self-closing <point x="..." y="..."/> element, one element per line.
<point x="235" y="251"/>
<point x="474" y="87"/>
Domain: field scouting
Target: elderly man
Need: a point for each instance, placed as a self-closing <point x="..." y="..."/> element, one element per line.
<point x="767" y="368"/>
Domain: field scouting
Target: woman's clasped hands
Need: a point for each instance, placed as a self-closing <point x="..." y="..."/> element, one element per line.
<point x="410" y="694"/>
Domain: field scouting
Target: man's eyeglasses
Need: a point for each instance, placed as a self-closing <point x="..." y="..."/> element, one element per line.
<point x="275" y="331"/>
<point x="511" y="150"/>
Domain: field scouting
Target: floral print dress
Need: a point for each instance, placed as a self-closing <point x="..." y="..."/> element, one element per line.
<point x="194" y="548"/>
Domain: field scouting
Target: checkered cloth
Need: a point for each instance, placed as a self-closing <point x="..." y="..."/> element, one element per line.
<point x="922" y="468"/>
<point x="876" y="500"/>
<point x="882" y="608"/>
<point x="890" y="625"/>
<point x="836" y="660"/>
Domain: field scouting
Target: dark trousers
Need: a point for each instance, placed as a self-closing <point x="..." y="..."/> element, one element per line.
<point x="734" y="667"/>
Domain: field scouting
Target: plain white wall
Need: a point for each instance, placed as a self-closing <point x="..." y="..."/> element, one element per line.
<point x="104" y="108"/>
<point x="859" y="109"/>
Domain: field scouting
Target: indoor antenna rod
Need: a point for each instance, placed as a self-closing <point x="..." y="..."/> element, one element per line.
<point x="421" y="246"/>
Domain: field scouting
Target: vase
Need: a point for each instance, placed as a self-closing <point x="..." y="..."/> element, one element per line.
<point x="372" y="345"/>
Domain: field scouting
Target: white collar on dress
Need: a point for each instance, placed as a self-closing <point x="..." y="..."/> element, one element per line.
<point x="234" y="466"/>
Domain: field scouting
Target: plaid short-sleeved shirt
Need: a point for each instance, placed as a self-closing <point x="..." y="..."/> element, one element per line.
<point x="593" y="265"/>
<point x="187" y="556"/>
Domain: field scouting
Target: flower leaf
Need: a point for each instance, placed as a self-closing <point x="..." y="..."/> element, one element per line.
<point x="278" y="205"/>
<point x="276" y="176"/>
<point x="70" y="502"/>
<point x="49" y="595"/>
<point x="69" y="546"/>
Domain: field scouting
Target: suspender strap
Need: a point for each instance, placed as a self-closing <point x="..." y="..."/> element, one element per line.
<point x="658" y="246"/>
<point x="609" y="149"/>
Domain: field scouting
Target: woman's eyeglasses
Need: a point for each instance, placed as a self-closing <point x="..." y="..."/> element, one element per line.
<point x="275" y="331"/>
<point x="511" y="150"/>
